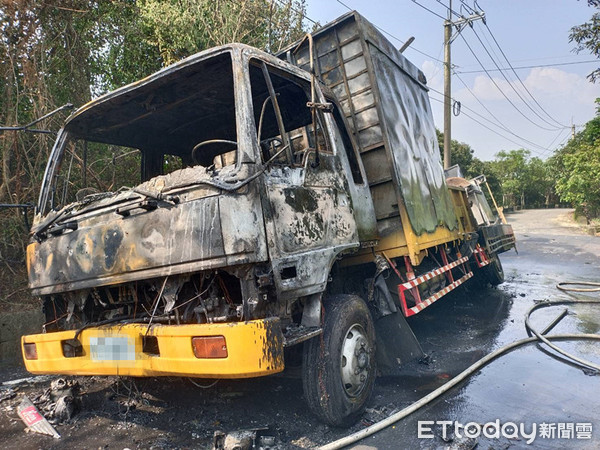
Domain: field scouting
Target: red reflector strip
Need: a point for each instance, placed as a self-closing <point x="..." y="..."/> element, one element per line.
<point x="209" y="347"/>
<point x="434" y="273"/>
<point x="30" y="351"/>
<point x="435" y="297"/>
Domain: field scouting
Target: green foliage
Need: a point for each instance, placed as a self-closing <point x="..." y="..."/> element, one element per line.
<point x="460" y="153"/>
<point x="69" y="51"/>
<point x="587" y="37"/>
<point x="581" y="183"/>
<point x="577" y="168"/>
<point x="526" y="182"/>
<point x="471" y="166"/>
<point x="179" y="28"/>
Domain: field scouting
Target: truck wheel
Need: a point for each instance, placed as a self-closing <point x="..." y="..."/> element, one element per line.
<point x="494" y="271"/>
<point x="338" y="367"/>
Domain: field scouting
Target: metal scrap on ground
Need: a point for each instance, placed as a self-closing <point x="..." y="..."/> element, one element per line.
<point x="34" y="420"/>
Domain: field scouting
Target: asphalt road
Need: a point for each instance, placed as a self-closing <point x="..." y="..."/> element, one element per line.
<point x="526" y="386"/>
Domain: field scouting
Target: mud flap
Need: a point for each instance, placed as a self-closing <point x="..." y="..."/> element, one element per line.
<point x="396" y="344"/>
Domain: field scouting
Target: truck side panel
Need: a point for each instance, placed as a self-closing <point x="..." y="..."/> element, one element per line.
<point x="385" y="101"/>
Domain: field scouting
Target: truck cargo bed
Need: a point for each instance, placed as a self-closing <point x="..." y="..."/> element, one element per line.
<point x="384" y="98"/>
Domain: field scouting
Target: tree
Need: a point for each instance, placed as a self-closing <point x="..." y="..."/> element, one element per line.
<point x="471" y="166"/>
<point x="581" y="183"/>
<point x="577" y="170"/>
<point x="540" y="184"/>
<point x="460" y="153"/>
<point x="179" y="28"/>
<point x="69" y="51"/>
<point x="587" y="37"/>
<point x="511" y="166"/>
<point x="525" y="181"/>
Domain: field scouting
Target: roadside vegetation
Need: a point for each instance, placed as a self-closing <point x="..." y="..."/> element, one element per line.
<point x="70" y="51"/>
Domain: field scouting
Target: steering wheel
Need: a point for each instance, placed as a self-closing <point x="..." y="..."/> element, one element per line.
<point x="209" y="142"/>
<point x="268" y="147"/>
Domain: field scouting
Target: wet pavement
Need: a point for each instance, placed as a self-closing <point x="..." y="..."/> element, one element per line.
<point x="526" y="386"/>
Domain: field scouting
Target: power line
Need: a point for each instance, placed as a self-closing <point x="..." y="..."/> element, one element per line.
<point x="494" y="131"/>
<point x="493" y="81"/>
<point x="460" y="16"/>
<point x="531" y="67"/>
<point x="394" y="37"/>
<point x="529" y="143"/>
<point x="499" y="122"/>
<point x="465" y="5"/>
<point x="557" y="136"/>
<point x="491" y="47"/>
<point x="500" y="90"/>
<point x="564" y="141"/>
<point x="518" y="78"/>
<point x="511" y="85"/>
<point x="430" y="10"/>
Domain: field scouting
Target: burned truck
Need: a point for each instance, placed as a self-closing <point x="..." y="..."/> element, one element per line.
<point x="239" y="210"/>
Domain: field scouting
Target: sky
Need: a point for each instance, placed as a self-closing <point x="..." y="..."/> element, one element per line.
<point x="546" y="99"/>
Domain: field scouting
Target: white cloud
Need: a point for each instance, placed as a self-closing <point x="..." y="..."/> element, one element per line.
<point x="556" y="83"/>
<point x="545" y="84"/>
<point x="567" y="97"/>
<point x="434" y="72"/>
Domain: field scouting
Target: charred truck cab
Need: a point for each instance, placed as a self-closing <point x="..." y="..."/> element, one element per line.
<point x="206" y="218"/>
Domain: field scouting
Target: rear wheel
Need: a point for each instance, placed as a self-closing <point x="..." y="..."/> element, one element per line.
<point x="338" y="367"/>
<point x="494" y="271"/>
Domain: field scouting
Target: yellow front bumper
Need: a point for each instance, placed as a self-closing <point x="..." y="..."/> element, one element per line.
<point x="254" y="348"/>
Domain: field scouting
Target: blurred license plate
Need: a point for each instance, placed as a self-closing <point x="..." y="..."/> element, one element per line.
<point x="112" y="348"/>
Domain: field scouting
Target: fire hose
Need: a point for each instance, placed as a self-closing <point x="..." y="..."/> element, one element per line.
<point x="537" y="338"/>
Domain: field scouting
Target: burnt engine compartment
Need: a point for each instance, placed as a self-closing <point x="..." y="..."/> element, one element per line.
<point x="214" y="296"/>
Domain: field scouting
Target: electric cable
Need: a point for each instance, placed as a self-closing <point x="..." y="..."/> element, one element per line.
<point x="490" y="77"/>
<point x="460" y="16"/>
<point x="557" y="137"/>
<point x="532" y="67"/>
<point x="500" y="90"/>
<point x="513" y="88"/>
<point x="541" y="153"/>
<point x="517" y="76"/>
<point x="288" y="5"/>
<point x="499" y="122"/>
<point x="431" y="11"/>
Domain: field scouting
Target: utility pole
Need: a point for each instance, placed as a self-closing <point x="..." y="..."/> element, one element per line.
<point x="459" y="24"/>
<point x="447" y="88"/>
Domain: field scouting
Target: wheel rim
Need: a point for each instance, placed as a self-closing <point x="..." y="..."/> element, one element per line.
<point x="355" y="360"/>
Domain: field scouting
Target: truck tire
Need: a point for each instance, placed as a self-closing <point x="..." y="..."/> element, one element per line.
<point x="338" y="367"/>
<point x="494" y="271"/>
